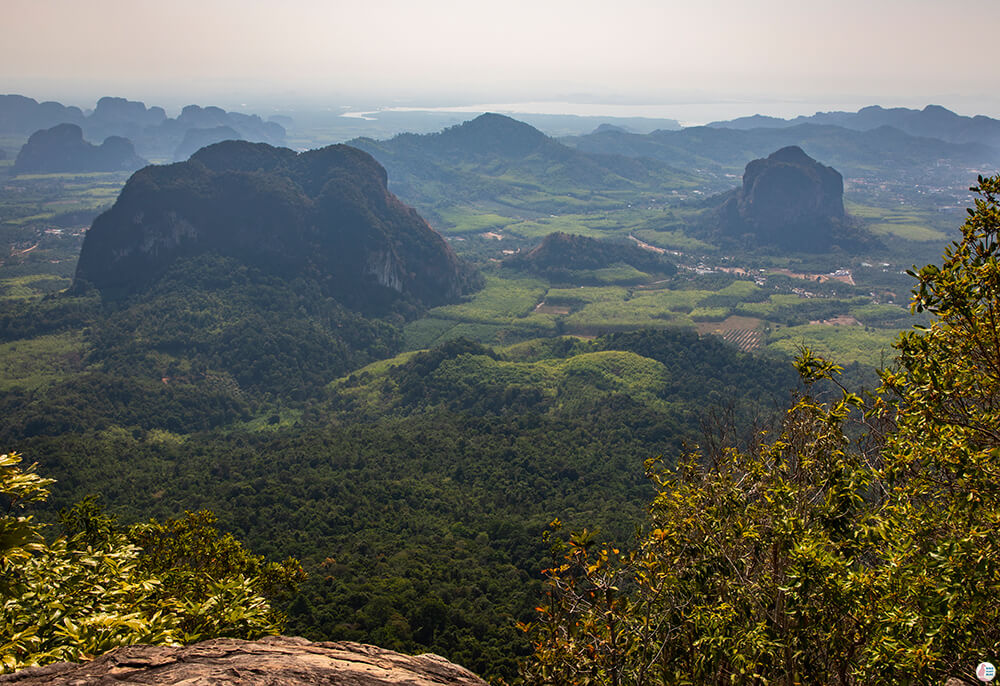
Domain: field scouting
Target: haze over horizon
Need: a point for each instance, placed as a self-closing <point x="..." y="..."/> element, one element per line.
<point x="686" y="60"/>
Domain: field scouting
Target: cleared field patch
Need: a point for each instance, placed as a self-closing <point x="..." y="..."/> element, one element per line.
<point x="592" y="227"/>
<point x="746" y="340"/>
<point x="747" y="333"/>
<point x="542" y="308"/>
<point x="617" y="309"/>
<point x="470" y="220"/>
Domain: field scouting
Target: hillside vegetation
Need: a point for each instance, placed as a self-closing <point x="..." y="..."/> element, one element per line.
<point x="815" y="556"/>
<point x="273" y="336"/>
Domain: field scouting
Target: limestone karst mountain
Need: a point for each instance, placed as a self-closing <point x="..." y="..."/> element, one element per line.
<point x="788" y="201"/>
<point x="63" y="149"/>
<point x="324" y="215"/>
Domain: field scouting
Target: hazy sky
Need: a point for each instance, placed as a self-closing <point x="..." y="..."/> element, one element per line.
<point x="426" y="52"/>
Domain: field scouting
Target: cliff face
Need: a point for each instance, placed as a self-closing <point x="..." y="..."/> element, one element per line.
<point x="788" y="201"/>
<point x="277" y="661"/>
<point x="325" y="215"/>
<point x="62" y="149"/>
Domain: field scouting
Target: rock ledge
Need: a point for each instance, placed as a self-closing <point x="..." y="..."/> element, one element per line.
<point x="274" y="661"/>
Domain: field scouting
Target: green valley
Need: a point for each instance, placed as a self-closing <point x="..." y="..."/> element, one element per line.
<point x="405" y="410"/>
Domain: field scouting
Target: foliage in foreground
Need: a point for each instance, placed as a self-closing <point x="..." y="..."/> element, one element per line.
<point x="99" y="587"/>
<point x="812" y="558"/>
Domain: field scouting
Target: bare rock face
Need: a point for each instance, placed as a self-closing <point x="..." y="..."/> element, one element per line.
<point x="275" y="661"/>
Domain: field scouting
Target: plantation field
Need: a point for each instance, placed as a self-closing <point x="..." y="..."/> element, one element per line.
<point x="461" y="219"/>
<point x="32" y="286"/>
<point x="909" y="224"/>
<point x="844" y="344"/>
<point x="746" y="333"/>
<point x="502" y="300"/>
<point x="35" y="198"/>
<point x="33" y="363"/>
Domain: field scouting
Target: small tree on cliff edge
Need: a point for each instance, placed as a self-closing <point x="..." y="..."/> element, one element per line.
<point x="812" y="559"/>
<point x="101" y="586"/>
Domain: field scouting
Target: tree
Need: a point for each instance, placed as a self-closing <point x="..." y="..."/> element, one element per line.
<point x="746" y="574"/>
<point x="938" y="607"/>
<point x="810" y="558"/>
<point x="95" y="588"/>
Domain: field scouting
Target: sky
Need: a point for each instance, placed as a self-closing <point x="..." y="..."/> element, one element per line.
<point x="773" y="56"/>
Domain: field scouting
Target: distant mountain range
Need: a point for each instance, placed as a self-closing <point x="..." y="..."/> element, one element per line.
<point x="881" y="160"/>
<point x="153" y="133"/>
<point x="933" y="121"/>
<point x="717" y="147"/>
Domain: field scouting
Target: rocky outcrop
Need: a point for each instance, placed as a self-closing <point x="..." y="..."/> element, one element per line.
<point x="324" y="215"/>
<point x="276" y="661"/>
<point x="62" y="149"/>
<point x="788" y="201"/>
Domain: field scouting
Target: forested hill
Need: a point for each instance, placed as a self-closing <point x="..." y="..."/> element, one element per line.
<point x="324" y="215"/>
<point x="416" y="490"/>
<point x="496" y="160"/>
<point x="570" y="257"/>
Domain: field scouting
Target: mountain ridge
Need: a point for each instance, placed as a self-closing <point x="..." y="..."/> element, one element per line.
<point x="495" y="160"/>
<point x="152" y="132"/>
<point x="933" y="121"/>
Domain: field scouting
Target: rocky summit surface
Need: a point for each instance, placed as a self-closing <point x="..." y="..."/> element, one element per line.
<point x="274" y="661"/>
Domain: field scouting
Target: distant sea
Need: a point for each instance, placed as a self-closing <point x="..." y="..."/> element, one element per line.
<point x="688" y="114"/>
